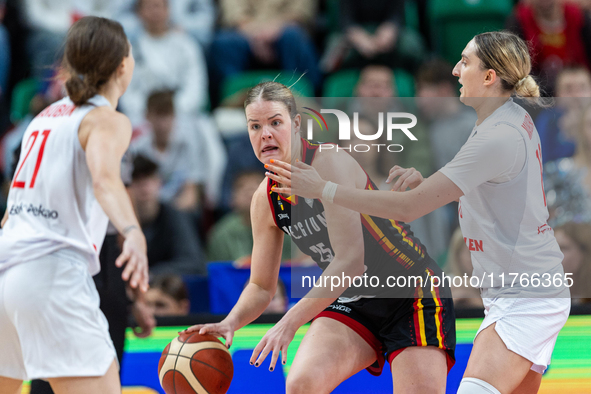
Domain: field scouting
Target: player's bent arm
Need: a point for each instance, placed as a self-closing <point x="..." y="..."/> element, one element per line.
<point x="346" y="237"/>
<point x="434" y="192"/>
<point x="266" y="261"/>
<point x="105" y="136"/>
<point x="5" y="218"/>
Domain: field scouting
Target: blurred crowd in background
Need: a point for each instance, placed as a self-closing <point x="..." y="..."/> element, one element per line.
<point x="190" y="169"/>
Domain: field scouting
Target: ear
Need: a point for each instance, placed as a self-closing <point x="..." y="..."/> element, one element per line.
<point x="490" y="77"/>
<point x="297" y="122"/>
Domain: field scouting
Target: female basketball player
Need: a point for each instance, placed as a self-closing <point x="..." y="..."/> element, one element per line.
<point x="352" y="333"/>
<point x="66" y="188"/>
<point x="498" y="180"/>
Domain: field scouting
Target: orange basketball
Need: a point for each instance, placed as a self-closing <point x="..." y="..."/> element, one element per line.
<point x="195" y="364"/>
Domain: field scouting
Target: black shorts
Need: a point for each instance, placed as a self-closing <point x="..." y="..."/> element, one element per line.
<point x="390" y="325"/>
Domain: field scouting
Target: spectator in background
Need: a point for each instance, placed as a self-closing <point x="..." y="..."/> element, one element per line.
<point x="165" y="59"/>
<point x="48" y="23"/>
<point x="230" y="238"/>
<point x="459" y="264"/>
<point x="173" y="245"/>
<point x="557" y="125"/>
<point x="196" y="17"/>
<point x="375" y="30"/>
<point x="173" y="144"/>
<point x="267" y="32"/>
<point x="574" y="240"/>
<point x="4" y="54"/>
<point x="168" y="296"/>
<point x="558" y="33"/>
<point x="567" y="181"/>
<point x="449" y="122"/>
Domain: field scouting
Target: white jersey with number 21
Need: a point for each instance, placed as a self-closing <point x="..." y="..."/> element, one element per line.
<point x="51" y="203"/>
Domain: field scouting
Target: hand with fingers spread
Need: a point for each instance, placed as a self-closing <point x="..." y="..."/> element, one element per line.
<point x="135" y="259"/>
<point x="275" y="341"/>
<point x="408" y="178"/>
<point x="223" y="329"/>
<point x="299" y="178"/>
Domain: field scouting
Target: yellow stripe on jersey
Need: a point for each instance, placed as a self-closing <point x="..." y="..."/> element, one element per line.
<point x="421" y="318"/>
<point x="399" y="229"/>
<point x="438" y="309"/>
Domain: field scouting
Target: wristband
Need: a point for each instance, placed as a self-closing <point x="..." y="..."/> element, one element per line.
<point x="330" y="189"/>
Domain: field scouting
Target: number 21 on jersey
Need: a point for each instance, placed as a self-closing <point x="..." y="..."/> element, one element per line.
<point x="31" y="143"/>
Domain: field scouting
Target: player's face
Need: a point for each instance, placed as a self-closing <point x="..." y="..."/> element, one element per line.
<point x="470" y="73"/>
<point x="270" y="130"/>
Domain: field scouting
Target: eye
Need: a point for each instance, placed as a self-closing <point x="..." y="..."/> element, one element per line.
<point x="254" y="126"/>
<point x="276" y="123"/>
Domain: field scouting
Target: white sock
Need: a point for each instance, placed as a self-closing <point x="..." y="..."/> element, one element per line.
<point x="476" y="386"/>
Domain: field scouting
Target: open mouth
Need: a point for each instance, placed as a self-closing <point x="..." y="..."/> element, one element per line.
<point x="269" y="149"/>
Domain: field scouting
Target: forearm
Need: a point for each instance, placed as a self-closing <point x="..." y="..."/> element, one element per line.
<point x="5" y="218"/>
<point x="113" y="198"/>
<point x="252" y="303"/>
<point x="385" y="204"/>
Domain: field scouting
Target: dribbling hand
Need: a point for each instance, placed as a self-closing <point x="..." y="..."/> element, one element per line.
<point x="222" y="329"/>
<point x="135" y="259"/>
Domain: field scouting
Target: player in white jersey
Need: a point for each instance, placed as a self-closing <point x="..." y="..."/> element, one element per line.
<point x="66" y="187"/>
<point x="497" y="177"/>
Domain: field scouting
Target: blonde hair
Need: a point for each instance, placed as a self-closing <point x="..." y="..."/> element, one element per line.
<point x="272" y="91"/>
<point x="508" y="55"/>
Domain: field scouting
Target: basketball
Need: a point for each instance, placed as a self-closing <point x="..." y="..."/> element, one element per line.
<point x="195" y="364"/>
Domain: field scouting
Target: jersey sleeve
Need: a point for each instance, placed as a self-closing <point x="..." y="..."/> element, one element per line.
<point x="488" y="155"/>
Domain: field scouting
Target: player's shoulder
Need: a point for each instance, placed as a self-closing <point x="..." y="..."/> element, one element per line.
<point x="105" y="117"/>
<point x="337" y="165"/>
<point x="260" y="210"/>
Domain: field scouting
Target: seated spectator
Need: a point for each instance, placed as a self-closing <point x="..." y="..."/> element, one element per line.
<point x="557" y="125"/>
<point x="165" y="59"/>
<point x="459" y="265"/>
<point x="574" y="240"/>
<point x="280" y="302"/>
<point x="449" y="121"/>
<point x="376" y="32"/>
<point x="4" y="54"/>
<point x="231" y="237"/>
<point x="196" y="17"/>
<point x="567" y="181"/>
<point x="173" y="245"/>
<point x="168" y="296"/>
<point x="267" y="32"/>
<point x="558" y="35"/>
<point x="173" y="144"/>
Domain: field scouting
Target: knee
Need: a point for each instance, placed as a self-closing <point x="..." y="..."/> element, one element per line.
<point x="302" y="383"/>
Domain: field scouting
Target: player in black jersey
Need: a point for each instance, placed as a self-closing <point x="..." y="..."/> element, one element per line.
<point x="353" y="328"/>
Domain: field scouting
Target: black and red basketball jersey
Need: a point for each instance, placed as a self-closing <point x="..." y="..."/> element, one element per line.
<point x="390" y="246"/>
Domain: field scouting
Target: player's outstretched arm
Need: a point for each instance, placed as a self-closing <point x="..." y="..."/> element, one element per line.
<point x="346" y="238"/>
<point x="104" y="135"/>
<point x="432" y="193"/>
<point x="264" y="272"/>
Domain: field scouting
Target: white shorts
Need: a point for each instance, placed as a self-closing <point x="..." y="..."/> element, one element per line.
<point x="50" y="322"/>
<point x="528" y="326"/>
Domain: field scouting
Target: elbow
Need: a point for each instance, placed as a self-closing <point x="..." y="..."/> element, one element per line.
<point x="102" y="185"/>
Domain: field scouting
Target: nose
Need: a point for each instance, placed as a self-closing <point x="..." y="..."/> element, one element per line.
<point x="266" y="132"/>
<point x="456" y="71"/>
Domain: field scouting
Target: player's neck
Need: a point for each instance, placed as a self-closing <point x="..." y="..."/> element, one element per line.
<point x="487" y="107"/>
<point x="111" y="93"/>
